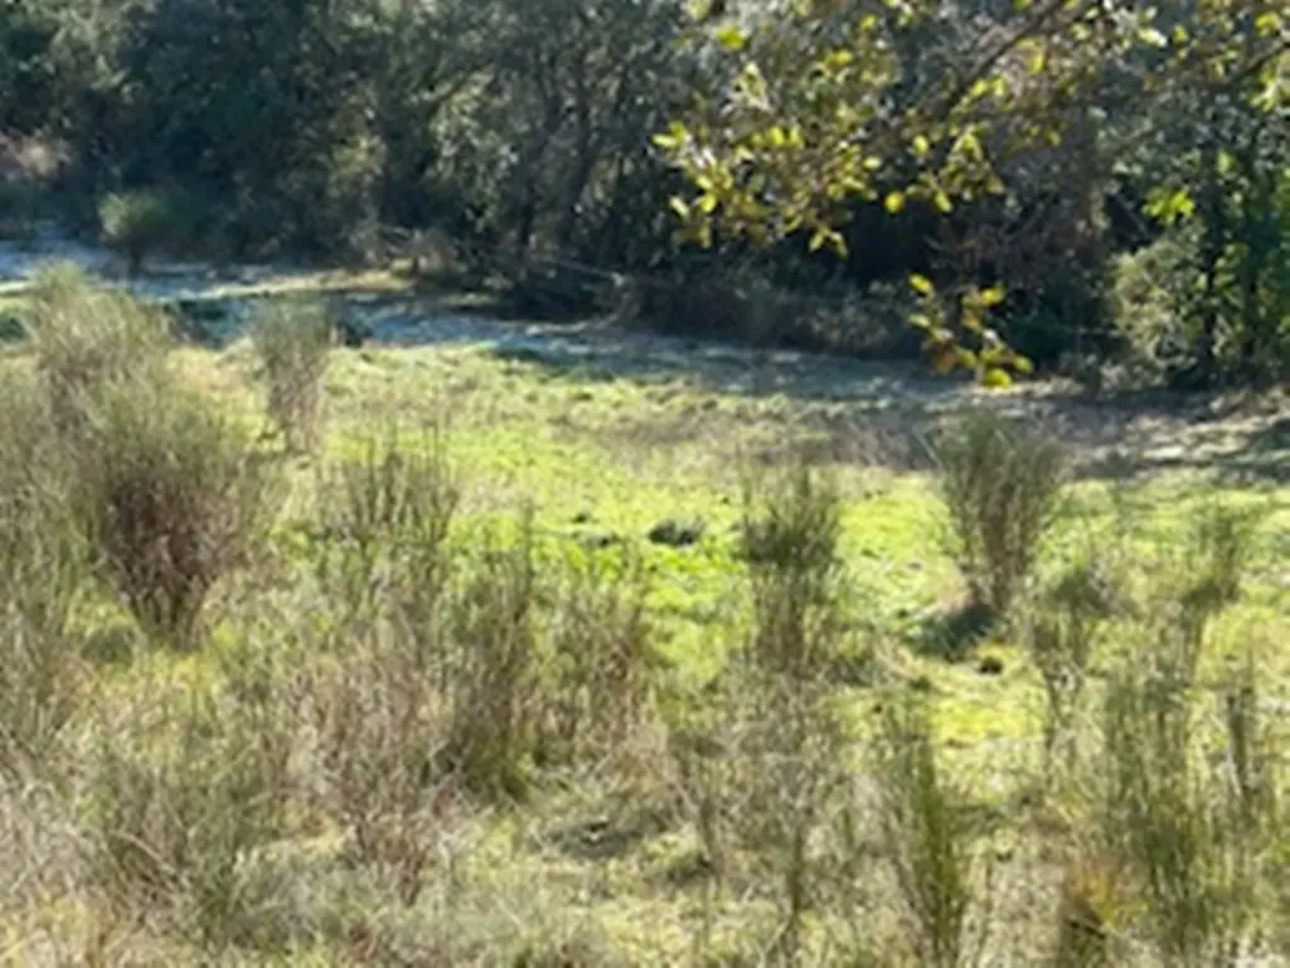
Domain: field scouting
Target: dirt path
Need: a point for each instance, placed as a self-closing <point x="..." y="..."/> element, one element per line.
<point x="1249" y="441"/>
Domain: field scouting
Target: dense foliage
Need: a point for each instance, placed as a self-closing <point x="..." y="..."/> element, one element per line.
<point x="1121" y="171"/>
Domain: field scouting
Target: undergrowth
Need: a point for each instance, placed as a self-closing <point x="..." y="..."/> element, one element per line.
<point x="386" y="687"/>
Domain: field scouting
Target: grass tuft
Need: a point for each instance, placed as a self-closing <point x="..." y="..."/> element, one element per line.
<point x="1001" y="484"/>
<point x="293" y="340"/>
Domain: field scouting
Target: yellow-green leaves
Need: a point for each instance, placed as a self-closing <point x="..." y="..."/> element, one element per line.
<point x="1168" y="205"/>
<point x="993" y="361"/>
<point x="995" y="378"/>
<point x="1268" y="23"/>
<point x="731" y="37"/>
<point x="671" y="139"/>
<point x="823" y="236"/>
<point x="827" y="106"/>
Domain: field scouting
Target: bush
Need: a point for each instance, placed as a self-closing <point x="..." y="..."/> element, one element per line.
<point x="136" y="224"/>
<point x="767" y="769"/>
<point x="791" y="547"/>
<point x="1185" y="833"/>
<point x="293" y="340"/>
<point x="84" y="337"/>
<point x="1064" y="626"/>
<point x="389" y="515"/>
<point x="601" y="653"/>
<point x="923" y="824"/>
<point x="1150" y="303"/>
<point x="493" y="707"/>
<point x="1001" y="484"/>
<point x="42" y="566"/>
<point x="171" y="495"/>
<point x="183" y="791"/>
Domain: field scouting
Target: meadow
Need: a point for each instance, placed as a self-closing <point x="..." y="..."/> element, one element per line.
<point x="459" y="655"/>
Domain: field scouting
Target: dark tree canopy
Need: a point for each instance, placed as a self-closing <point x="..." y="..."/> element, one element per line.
<point x="1058" y="177"/>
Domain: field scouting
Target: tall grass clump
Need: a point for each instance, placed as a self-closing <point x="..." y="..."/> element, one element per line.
<point x="762" y="763"/>
<point x="463" y="624"/>
<point x="1160" y="815"/>
<point x="293" y="340"/>
<point x="1001" y="484"/>
<point x="790" y="544"/>
<point x="42" y="568"/>
<point x="1194" y="829"/>
<point x="172" y="496"/>
<point x="928" y="837"/>
<point x="491" y="694"/>
<point x="84" y="336"/>
<point x="599" y="662"/>
<point x="389" y="513"/>
<point x="1219" y="549"/>
<point x="1064" y="625"/>
<point x="185" y="790"/>
<point x="135" y="224"/>
<point x="384" y="571"/>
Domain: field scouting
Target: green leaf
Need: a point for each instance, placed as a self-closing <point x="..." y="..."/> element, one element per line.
<point x="921" y="284"/>
<point x="731" y="37"/>
<point x="678" y="205"/>
<point x="996" y="379"/>
<point x="1152" y="37"/>
<point x="894" y="202"/>
<point x="993" y="296"/>
<point x="672" y="138"/>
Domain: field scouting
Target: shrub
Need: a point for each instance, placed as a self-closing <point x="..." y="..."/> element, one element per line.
<point x="491" y="707"/>
<point x="1157" y="814"/>
<point x="41" y="570"/>
<point x="1150" y="304"/>
<point x="1061" y="632"/>
<point x="389" y="515"/>
<point x="171" y="496"/>
<point x="385" y="573"/>
<point x="766" y="770"/>
<point x="790" y="542"/>
<point x="1193" y="831"/>
<point x="293" y="340"/>
<point x="84" y="337"/>
<point x="137" y="223"/>
<point x="601" y="660"/>
<point x="380" y="735"/>
<point x="183" y="790"/>
<point x="923" y="823"/>
<point x="1001" y="484"/>
<point x="1221" y="543"/>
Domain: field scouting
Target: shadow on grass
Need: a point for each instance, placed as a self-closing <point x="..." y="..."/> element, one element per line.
<point x="952" y="634"/>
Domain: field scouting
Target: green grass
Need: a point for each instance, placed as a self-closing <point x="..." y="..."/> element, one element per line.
<point x="599" y="868"/>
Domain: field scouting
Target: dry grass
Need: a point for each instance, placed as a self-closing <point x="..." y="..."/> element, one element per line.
<point x="293" y="340"/>
<point x="415" y="730"/>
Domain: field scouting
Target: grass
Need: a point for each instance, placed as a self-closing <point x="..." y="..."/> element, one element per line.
<point x="433" y="775"/>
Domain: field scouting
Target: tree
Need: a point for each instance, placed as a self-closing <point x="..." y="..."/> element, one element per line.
<point x="933" y="103"/>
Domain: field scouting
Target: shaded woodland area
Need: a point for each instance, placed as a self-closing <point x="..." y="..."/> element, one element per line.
<point x="1149" y="226"/>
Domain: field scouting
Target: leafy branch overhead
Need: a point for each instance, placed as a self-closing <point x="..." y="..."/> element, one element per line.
<point x="824" y="104"/>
